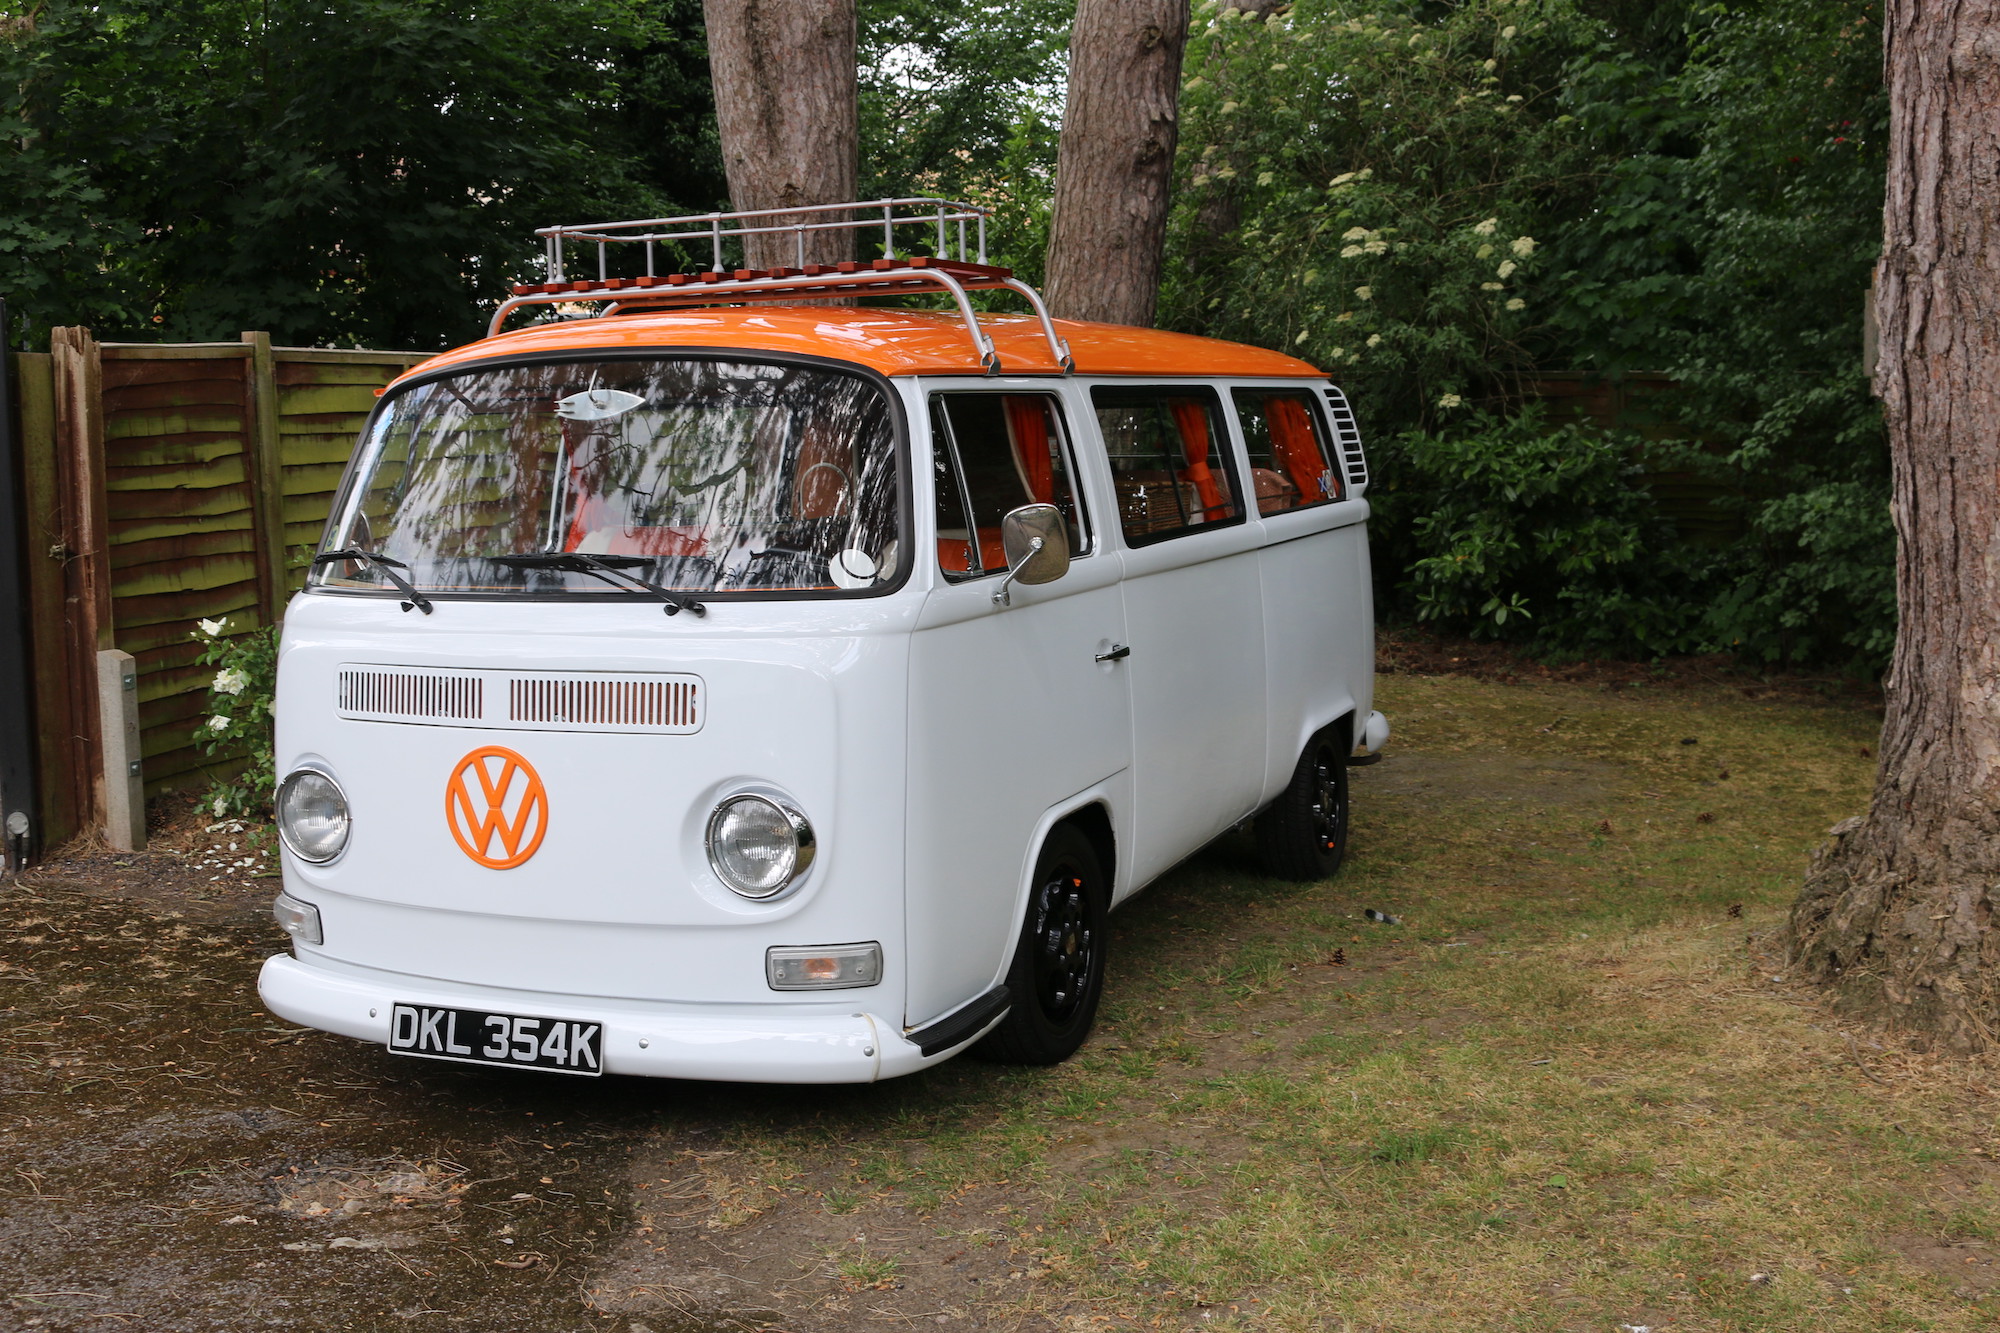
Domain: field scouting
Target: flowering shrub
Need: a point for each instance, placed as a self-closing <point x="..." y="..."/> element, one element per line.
<point x="1362" y="184"/>
<point x="1436" y="203"/>
<point x="240" y="703"/>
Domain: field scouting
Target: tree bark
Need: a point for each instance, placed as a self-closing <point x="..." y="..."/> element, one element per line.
<point x="785" y="105"/>
<point x="1897" y="910"/>
<point x="1115" y="160"/>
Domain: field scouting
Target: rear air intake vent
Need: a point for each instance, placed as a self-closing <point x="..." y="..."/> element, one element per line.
<point x="1347" y="438"/>
<point x="411" y="694"/>
<point x="647" y="703"/>
<point x="521" y="700"/>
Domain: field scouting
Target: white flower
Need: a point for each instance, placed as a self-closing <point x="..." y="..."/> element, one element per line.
<point x="211" y="628"/>
<point x="1341" y="179"/>
<point x="1364" y="173"/>
<point x="1489" y="67"/>
<point x="1195" y="82"/>
<point x="1523" y="246"/>
<point x="1280" y="67"/>
<point x="1228" y="108"/>
<point x="1514" y="97"/>
<point x="1483" y="252"/>
<point x="1266" y="177"/>
<point x="1506" y="269"/>
<point x="1199" y="181"/>
<point x="1517" y="304"/>
<point x="1374" y="340"/>
<point x="218" y="723"/>
<point x="1376" y="247"/>
<point x="1507" y="33"/>
<point x="1339" y="352"/>
<point x="1356" y="234"/>
<point x="1364" y="293"/>
<point x="1226" y="174"/>
<point x="1350" y="251"/>
<point x="1450" y="400"/>
<point x="1303" y="335"/>
<point x="1343" y="317"/>
<point x="229" y="681"/>
<point x="1487" y="227"/>
<point x="1492" y="286"/>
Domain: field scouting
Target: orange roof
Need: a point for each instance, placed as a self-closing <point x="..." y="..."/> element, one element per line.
<point x="894" y="342"/>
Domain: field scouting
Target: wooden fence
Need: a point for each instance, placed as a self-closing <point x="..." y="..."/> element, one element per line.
<point x="162" y="485"/>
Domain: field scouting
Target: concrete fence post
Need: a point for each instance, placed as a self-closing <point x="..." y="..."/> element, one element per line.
<point x="118" y="732"/>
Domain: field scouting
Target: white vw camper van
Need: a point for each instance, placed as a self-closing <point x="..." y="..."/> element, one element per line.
<point x="722" y="683"/>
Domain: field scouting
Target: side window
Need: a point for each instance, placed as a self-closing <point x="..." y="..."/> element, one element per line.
<point x="1290" y="466"/>
<point x="993" y="452"/>
<point x="1170" y="460"/>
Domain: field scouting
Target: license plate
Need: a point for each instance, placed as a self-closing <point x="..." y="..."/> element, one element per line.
<point x="473" y="1036"/>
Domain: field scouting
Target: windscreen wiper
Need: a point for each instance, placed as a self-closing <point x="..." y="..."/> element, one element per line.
<point x="388" y="568"/>
<point x="607" y="569"/>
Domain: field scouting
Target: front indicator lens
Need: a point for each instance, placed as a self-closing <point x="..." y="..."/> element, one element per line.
<point x="757" y="846"/>
<point x="312" y="815"/>
<point x="298" y="919"/>
<point x="823" y="967"/>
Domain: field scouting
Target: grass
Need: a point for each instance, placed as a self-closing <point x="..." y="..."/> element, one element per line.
<point x="1565" y="1092"/>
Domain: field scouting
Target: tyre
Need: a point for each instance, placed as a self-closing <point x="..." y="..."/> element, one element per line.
<point x="1303" y="834"/>
<point x="1058" y="969"/>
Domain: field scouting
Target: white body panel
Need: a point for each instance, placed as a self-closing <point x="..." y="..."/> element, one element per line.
<point x="931" y="737"/>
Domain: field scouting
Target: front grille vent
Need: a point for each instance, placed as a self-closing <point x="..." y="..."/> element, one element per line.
<point x="533" y="700"/>
<point x="411" y="694"/>
<point x="1347" y="438"/>
<point x="651" y="703"/>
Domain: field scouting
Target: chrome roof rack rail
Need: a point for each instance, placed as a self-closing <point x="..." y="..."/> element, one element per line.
<point x="944" y="221"/>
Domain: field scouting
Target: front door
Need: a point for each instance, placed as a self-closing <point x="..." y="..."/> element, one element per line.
<point x="1011" y="712"/>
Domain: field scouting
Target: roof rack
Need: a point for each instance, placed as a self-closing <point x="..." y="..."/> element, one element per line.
<point x="943" y="220"/>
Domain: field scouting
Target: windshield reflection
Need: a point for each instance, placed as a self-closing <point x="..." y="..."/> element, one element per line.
<point x="701" y="476"/>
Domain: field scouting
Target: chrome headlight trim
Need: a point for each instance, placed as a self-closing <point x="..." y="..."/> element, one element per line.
<point x="804" y="844"/>
<point x="321" y="771"/>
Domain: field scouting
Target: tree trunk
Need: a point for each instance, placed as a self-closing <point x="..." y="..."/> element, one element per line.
<point x="785" y="105"/>
<point x="1897" y="910"/>
<point x="1115" y="161"/>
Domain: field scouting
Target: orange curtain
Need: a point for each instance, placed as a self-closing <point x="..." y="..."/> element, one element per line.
<point x="1028" y="432"/>
<point x="1191" y="416"/>
<point x="1294" y="449"/>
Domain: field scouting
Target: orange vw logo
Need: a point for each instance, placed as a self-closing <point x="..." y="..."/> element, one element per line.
<point x="496" y="807"/>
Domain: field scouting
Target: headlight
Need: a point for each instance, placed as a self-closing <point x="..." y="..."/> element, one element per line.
<point x="312" y="815"/>
<point x="758" y="846"/>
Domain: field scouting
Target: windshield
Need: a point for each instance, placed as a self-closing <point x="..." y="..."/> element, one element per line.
<point x="701" y="476"/>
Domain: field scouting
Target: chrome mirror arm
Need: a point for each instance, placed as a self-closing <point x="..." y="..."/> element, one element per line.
<point x="1001" y="595"/>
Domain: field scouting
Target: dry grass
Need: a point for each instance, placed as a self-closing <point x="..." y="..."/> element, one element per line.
<point x="1564" y="1093"/>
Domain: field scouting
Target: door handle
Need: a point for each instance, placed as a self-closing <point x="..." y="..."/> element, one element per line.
<point x="1117" y="654"/>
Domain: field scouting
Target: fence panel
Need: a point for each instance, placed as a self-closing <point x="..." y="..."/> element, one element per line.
<point x="182" y="528"/>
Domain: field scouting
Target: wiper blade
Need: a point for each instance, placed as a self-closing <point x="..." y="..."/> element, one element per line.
<point x="607" y="569"/>
<point x="388" y="568"/>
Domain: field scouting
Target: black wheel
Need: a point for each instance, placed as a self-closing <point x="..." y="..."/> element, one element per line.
<point x="1058" y="971"/>
<point x="1303" y="834"/>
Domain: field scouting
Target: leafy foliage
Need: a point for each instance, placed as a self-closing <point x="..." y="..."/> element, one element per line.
<point x="961" y="99"/>
<point x="353" y="171"/>
<point x="1440" y="203"/>
<point x="241" y="699"/>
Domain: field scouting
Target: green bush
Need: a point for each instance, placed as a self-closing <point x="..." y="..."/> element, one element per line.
<point x="1437" y="203"/>
<point x="241" y="699"/>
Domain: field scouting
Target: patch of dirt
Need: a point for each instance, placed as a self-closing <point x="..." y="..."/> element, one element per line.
<point x="1420" y="652"/>
<point x="1526" y="782"/>
<point x="1970" y="1265"/>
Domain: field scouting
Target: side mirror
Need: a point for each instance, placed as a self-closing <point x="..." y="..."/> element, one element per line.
<point x="1036" y="543"/>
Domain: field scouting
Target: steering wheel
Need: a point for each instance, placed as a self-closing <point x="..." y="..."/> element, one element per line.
<point x="846" y="485"/>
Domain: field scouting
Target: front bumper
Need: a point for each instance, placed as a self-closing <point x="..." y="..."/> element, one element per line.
<point x="778" y="1044"/>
